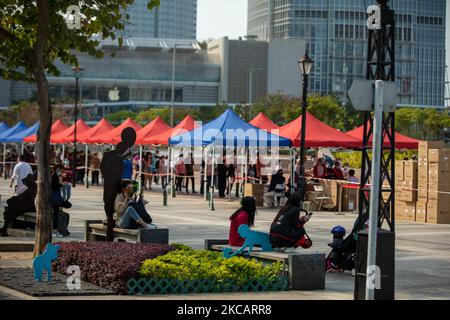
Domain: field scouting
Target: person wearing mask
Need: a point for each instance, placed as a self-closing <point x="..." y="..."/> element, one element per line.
<point x="277" y="183"/>
<point x="345" y="170"/>
<point x="222" y="177"/>
<point x="180" y="172"/>
<point x="287" y="229"/>
<point x="351" y="176"/>
<point x="66" y="178"/>
<point x="95" y="167"/>
<point x="244" y="215"/>
<point x="337" y="171"/>
<point x="124" y="213"/>
<point x="21" y="170"/>
<point x="320" y="170"/>
<point x="18" y="205"/>
<point x="190" y="175"/>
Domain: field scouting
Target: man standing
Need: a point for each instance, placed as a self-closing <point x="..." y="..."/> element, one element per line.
<point x="20" y="172"/>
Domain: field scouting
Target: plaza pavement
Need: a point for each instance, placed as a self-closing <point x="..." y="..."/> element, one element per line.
<point x="422" y="251"/>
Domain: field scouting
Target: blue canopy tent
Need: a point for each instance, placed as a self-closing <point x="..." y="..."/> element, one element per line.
<point x="19" y="127"/>
<point x="228" y="130"/>
<point x="3" y="127"/>
<point x="18" y="137"/>
<point x="12" y="131"/>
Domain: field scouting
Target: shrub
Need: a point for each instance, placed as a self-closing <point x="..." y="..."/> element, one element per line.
<point x="188" y="264"/>
<point x="107" y="264"/>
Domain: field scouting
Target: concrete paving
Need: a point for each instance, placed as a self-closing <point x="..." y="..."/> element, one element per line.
<point x="422" y="250"/>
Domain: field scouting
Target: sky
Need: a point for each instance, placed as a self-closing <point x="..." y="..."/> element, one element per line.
<point x="219" y="18"/>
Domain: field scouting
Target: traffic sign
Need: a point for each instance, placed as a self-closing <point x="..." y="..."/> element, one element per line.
<point x="362" y="94"/>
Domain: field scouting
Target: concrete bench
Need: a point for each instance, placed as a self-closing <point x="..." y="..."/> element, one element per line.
<point x="305" y="270"/>
<point x="94" y="230"/>
<point x="29" y="217"/>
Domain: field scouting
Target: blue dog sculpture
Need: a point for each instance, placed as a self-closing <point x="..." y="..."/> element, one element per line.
<point x="44" y="262"/>
<point x="252" y="238"/>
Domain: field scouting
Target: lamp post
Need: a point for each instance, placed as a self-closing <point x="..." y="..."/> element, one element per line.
<point x="77" y="71"/>
<point x="305" y="65"/>
<point x="173" y="83"/>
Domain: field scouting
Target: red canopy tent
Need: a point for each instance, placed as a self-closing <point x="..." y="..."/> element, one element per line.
<point x="155" y="127"/>
<point x="318" y="134"/>
<point x="401" y="141"/>
<point x="101" y="128"/>
<point x="57" y="127"/>
<point x="263" y="122"/>
<point x="113" y="136"/>
<point x="186" y="125"/>
<point x="67" y="135"/>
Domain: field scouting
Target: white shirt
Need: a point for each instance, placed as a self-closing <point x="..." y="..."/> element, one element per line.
<point x="21" y="171"/>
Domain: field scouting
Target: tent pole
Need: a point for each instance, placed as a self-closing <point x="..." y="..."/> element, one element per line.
<point x="23" y="147"/>
<point x="4" y="160"/>
<point x="172" y="174"/>
<point x="205" y="169"/>
<point x="211" y="195"/>
<point x="292" y="173"/>
<point x="140" y="169"/>
<point x="242" y="173"/>
<point x="86" y="165"/>
<point x="63" y="152"/>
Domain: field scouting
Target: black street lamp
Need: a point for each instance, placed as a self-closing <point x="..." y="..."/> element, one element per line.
<point x="77" y="71"/>
<point x="305" y="64"/>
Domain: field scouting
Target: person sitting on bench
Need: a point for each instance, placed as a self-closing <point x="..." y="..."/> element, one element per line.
<point x="244" y="215"/>
<point x="21" y="203"/>
<point x="287" y="229"/>
<point x="125" y="214"/>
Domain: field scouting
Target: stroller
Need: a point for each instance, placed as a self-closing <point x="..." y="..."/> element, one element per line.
<point x="343" y="254"/>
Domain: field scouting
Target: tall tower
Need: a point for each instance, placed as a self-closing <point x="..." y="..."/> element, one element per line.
<point x="336" y="36"/>
<point x="173" y="19"/>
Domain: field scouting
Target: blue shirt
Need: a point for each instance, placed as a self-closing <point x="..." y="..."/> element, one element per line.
<point x="127" y="169"/>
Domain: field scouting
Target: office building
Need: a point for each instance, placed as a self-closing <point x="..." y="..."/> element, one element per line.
<point x="335" y="34"/>
<point x="173" y="19"/>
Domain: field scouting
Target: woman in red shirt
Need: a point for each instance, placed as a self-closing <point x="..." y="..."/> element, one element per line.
<point x="244" y="215"/>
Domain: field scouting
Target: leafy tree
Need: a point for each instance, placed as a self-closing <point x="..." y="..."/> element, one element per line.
<point x="120" y="116"/>
<point x="327" y="109"/>
<point x="144" y="117"/>
<point x="33" y="35"/>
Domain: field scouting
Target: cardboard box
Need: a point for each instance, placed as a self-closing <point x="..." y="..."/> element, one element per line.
<point x="349" y="199"/>
<point x="331" y="190"/>
<point x="422" y="181"/>
<point x="424" y="146"/>
<point x="421" y="211"/>
<point x="439" y="155"/>
<point x="399" y="171"/>
<point x="406" y="193"/>
<point x="411" y="175"/>
<point x="255" y="190"/>
<point x="410" y="211"/>
<point x="438" y="180"/>
<point x="438" y="211"/>
<point x="399" y="210"/>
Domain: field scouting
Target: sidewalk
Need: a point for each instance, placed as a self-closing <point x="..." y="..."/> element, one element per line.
<point x="422" y="250"/>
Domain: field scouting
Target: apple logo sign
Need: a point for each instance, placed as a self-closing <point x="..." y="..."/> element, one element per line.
<point x="113" y="94"/>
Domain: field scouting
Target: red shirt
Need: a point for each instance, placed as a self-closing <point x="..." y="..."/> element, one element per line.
<point x="234" y="237"/>
<point x="338" y="175"/>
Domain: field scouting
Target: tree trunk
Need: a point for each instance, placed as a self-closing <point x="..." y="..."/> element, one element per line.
<point x="44" y="210"/>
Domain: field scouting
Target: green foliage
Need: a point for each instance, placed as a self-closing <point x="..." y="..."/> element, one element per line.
<point x="118" y="117"/>
<point x="22" y="22"/>
<point x="422" y="124"/>
<point x="186" y="263"/>
<point x="354" y="158"/>
<point x="148" y="115"/>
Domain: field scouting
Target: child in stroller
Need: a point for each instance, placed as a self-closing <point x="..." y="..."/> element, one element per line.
<point x="342" y="255"/>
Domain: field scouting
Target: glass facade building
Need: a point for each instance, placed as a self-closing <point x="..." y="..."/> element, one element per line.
<point x="173" y="19"/>
<point x="335" y="32"/>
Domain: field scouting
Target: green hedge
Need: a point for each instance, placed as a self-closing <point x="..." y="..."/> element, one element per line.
<point x="188" y="264"/>
<point x="354" y="158"/>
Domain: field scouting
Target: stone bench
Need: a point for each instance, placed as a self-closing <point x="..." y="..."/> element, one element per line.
<point x="94" y="230"/>
<point x="306" y="269"/>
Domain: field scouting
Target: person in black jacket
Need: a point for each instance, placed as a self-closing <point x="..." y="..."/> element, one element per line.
<point x="18" y="205"/>
<point x="287" y="229"/>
